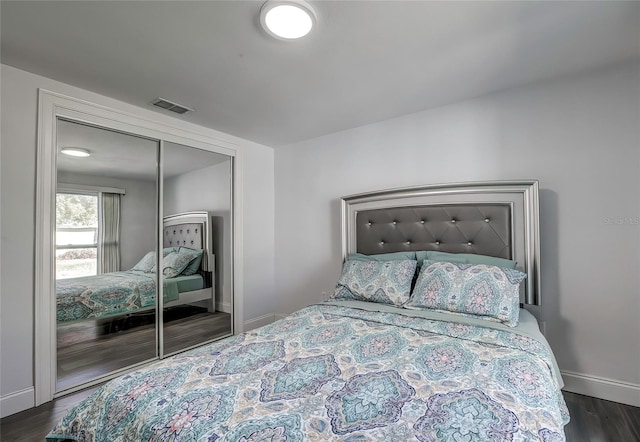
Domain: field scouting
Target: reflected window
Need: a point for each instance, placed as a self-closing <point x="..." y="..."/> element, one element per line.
<point x="76" y="235"/>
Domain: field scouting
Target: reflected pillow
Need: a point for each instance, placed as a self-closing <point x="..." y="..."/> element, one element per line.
<point x="480" y="290"/>
<point x="465" y="258"/>
<point x="168" y="250"/>
<point x="194" y="265"/>
<point x="147" y="263"/>
<point x="175" y="262"/>
<point x="385" y="282"/>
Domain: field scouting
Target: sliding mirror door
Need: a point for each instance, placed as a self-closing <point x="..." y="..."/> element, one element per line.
<point x="108" y="298"/>
<point x="105" y="241"/>
<point x="196" y="239"/>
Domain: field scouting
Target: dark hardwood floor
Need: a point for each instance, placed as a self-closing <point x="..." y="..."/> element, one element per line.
<point x="592" y="420"/>
<point x="595" y="420"/>
<point x="34" y="424"/>
<point x="90" y="349"/>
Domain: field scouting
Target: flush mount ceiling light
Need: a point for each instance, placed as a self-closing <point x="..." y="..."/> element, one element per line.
<point x="287" y="19"/>
<point x="75" y="151"/>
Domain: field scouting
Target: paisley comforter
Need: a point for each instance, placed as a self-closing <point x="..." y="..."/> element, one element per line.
<point x="108" y="294"/>
<point x="339" y="371"/>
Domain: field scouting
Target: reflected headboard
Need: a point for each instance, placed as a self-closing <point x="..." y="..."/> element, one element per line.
<point x="490" y="218"/>
<point x="193" y="230"/>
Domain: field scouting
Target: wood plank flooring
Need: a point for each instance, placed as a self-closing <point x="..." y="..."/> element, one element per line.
<point x="91" y="349"/>
<point x="34" y="424"/>
<point x="592" y="420"/>
<point x="596" y="420"/>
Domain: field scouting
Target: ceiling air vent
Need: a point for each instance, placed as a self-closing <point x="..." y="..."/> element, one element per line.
<point x="170" y="106"/>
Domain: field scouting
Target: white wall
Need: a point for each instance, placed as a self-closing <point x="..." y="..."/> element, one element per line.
<point x="580" y="136"/>
<point x="17" y="173"/>
<point x="137" y="213"/>
<point x="259" y="218"/>
<point x="208" y="189"/>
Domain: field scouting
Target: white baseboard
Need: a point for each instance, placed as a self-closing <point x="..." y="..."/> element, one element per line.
<point x="223" y="307"/>
<point x="280" y="316"/>
<point x="259" y="321"/>
<point x="603" y="388"/>
<point x="18" y="401"/>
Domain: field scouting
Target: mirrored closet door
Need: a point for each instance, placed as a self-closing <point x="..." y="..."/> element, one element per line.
<point x="105" y="236"/>
<point x="196" y="207"/>
<point x="143" y="250"/>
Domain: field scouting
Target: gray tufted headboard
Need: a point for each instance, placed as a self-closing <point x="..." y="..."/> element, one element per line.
<point x="193" y="230"/>
<point x="491" y="218"/>
<point x="484" y="229"/>
<point x="186" y="235"/>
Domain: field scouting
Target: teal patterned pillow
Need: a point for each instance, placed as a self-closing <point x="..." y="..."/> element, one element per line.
<point x="480" y="290"/>
<point x="194" y="265"/>
<point x="394" y="256"/>
<point x="385" y="282"/>
<point x="175" y="262"/>
<point x="147" y="263"/>
<point x="464" y="258"/>
<point x="168" y="250"/>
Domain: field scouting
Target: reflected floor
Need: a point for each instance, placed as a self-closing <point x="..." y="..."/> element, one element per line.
<point x="90" y="349"/>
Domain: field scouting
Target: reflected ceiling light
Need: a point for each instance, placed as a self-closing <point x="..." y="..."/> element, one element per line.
<point x="287" y="19"/>
<point x="75" y="151"/>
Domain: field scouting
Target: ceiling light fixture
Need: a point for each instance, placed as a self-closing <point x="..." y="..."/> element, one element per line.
<point x="75" y="151"/>
<point x="287" y="19"/>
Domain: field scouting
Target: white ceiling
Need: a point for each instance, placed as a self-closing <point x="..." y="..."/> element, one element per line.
<point x="124" y="156"/>
<point x="366" y="61"/>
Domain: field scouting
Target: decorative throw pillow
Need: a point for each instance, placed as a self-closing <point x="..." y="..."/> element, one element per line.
<point x="168" y="250"/>
<point x="194" y="265"/>
<point x="465" y="258"/>
<point x="147" y="263"/>
<point x="481" y="290"/>
<point x="175" y="262"/>
<point x="385" y="282"/>
<point x="394" y="256"/>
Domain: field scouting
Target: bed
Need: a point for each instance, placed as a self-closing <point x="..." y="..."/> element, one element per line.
<point x="188" y="266"/>
<point x="384" y="359"/>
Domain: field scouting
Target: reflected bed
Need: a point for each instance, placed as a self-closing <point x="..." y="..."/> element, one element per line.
<point x="119" y="293"/>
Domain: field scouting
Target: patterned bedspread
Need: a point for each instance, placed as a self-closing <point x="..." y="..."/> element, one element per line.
<point x="103" y="295"/>
<point x="331" y="372"/>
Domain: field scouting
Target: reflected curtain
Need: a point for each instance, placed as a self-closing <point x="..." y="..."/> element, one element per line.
<point x="110" y="233"/>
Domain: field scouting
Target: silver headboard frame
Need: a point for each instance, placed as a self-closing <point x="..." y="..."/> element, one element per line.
<point x="193" y="230"/>
<point x="497" y="218"/>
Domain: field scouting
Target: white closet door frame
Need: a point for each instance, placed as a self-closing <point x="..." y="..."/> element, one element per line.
<point x="52" y="106"/>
